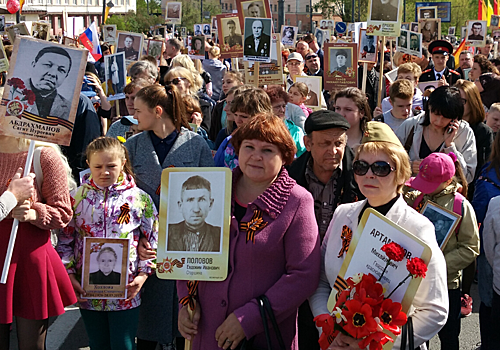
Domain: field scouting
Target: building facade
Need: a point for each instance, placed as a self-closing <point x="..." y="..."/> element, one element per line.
<point x="67" y="17"/>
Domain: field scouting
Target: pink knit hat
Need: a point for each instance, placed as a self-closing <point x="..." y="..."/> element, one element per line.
<point x="433" y="171"/>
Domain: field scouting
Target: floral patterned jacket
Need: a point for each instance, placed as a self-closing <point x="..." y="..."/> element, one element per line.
<point x="96" y="213"/>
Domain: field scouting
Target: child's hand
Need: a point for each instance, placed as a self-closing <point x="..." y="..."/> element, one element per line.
<point x="135" y="286"/>
<point x="145" y="251"/>
<point x="77" y="288"/>
<point x="24" y="213"/>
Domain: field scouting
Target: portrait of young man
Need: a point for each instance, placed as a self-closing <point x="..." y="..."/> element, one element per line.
<point x="476" y="31"/>
<point x="130" y="46"/>
<point x="233" y="38"/>
<point x="339" y="61"/>
<point x="194" y="233"/>
<point x="384" y="10"/>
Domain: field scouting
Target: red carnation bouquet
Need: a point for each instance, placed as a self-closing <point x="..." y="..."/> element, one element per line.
<point x="363" y="311"/>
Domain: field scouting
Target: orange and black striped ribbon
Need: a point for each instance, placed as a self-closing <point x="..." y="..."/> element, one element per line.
<point x="257" y="223"/>
<point x="178" y="263"/>
<point x="124" y="215"/>
<point x="52" y="121"/>
<point x="340" y="285"/>
<point x="158" y="190"/>
<point x="192" y="290"/>
<point x="346" y="240"/>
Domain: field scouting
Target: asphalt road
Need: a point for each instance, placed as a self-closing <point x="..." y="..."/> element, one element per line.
<point x="67" y="331"/>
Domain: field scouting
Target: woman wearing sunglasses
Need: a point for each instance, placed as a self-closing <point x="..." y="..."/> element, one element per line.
<point x="440" y="129"/>
<point x="189" y="83"/>
<point x="381" y="168"/>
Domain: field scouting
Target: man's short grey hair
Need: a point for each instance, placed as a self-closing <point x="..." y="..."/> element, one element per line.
<point x="144" y="67"/>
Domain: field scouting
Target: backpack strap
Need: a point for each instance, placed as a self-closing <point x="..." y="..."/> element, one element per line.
<point x="38" y="167"/>
<point x="409" y="140"/>
<point x="457" y="208"/>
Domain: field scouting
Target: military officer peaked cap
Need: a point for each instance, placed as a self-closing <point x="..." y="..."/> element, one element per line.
<point x="440" y="46"/>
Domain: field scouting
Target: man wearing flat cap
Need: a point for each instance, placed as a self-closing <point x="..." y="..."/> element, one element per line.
<point x="440" y="51"/>
<point x="325" y="170"/>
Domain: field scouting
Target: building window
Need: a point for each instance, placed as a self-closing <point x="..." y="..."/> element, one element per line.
<point x="275" y="8"/>
<point x="230" y="7"/>
<point x="289" y="8"/>
<point x="90" y="2"/>
<point x="307" y="8"/>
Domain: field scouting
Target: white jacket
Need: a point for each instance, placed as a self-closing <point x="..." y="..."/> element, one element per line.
<point x="491" y="240"/>
<point x="430" y="305"/>
<point x="464" y="144"/>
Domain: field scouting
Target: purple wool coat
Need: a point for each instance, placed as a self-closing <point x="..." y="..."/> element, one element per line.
<point x="283" y="263"/>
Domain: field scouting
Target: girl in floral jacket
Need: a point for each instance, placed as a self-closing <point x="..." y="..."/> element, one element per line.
<point x="109" y="204"/>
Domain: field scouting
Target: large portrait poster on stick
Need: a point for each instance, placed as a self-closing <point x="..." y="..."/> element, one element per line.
<point x="384" y="18"/>
<point x="41" y="95"/>
<point x="116" y="74"/>
<point x="257" y="42"/>
<point x="105" y="267"/>
<point x="131" y="44"/>
<point x="341" y="65"/>
<point x="253" y="9"/>
<point x="195" y="214"/>
<point x="230" y="37"/>
<point x="174" y="12"/>
<point x="365" y="256"/>
<point x="368" y="47"/>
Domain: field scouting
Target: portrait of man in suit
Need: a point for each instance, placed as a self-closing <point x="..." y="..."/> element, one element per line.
<point x="258" y="43"/>
<point x="232" y="39"/>
<point x="384" y="10"/>
<point x="49" y="70"/>
<point x="194" y="233"/>
<point x="414" y="42"/>
<point x="254" y="9"/>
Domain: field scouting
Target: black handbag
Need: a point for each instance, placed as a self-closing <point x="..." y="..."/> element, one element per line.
<point x="407" y="335"/>
<point x="264" y="308"/>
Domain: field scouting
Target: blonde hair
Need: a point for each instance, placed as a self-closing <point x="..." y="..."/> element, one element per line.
<point x="24" y="143"/>
<point x="302" y="87"/>
<point x="412" y="68"/>
<point x="194" y="79"/>
<point x="495" y="107"/>
<point x="397" y="155"/>
<point x="111" y="145"/>
<point x="214" y="51"/>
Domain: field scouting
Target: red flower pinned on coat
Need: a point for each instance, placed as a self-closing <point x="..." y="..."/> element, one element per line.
<point x="394" y="251"/>
<point x="416" y="267"/>
<point x="360" y="322"/>
<point x="391" y="316"/>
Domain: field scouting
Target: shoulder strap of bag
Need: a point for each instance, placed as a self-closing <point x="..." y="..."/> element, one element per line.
<point x="265" y="307"/>
<point x="407" y="335"/>
<point x="457" y="208"/>
<point x="409" y="140"/>
<point x="38" y="167"/>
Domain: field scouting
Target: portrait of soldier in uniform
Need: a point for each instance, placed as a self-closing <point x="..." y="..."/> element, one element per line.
<point x="130" y="45"/>
<point x="233" y="38"/>
<point x="194" y="233"/>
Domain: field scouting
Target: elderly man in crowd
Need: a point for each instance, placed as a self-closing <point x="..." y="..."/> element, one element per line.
<point x="325" y="170"/>
<point x="295" y="65"/>
<point x="302" y="47"/>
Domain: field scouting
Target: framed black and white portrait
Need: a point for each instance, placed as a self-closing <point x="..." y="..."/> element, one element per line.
<point x="414" y="26"/>
<point x="197" y="49"/>
<point x="340" y="60"/>
<point x="445" y="221"/>
<point x="154" y="48"/>
<point x="368" y="47"/>
<point x="131" y="44"/>
<point x="384" y="11"/>
<point x="405" y="26"/>
<point x="415" y="44"/>
<point x="428" y="85"/>
<point x="430" y="29"/>
<point x="173" y="14"/>
<point x="109" y="33"/>
<point x="194" y="216"/>
<point x="105" y="267"/>
<point x="427" y="12"/>
<point x="402" y="43"/>
<point x="43" y="89"/>
<point x="116" y="74"/>
<point x="198" y="29"/>
<point x="257" y="39"/>
<point x="289" y="36"/>
<point x="2" y="23"/>
<point x="321" y="35"/>
<point x="451" y="31"/>
<point x="315" y="90"/>
<point x="40" y="30"/>
<point x="17" y="29"/>
<point x="207" y="31"/>
<point x="476" y="33"/>
<point x="494" y="21"/>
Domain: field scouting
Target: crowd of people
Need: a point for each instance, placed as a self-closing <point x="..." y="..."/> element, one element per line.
<point x="307" y="173"/>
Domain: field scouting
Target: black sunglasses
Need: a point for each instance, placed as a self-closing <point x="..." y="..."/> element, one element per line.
<point x="175" y="81"/>
<point x="380" y="168"/>
<point x="308" y="57"/>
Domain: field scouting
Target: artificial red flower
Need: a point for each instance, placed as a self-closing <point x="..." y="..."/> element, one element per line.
<point x="360" y="322"/>
<point x="376" y="341"/>
<point x="30" y="96"/>
<point x="416" y="267"/>
<point x="16" y="83"/>
<point x="342" y="298"/>
<point x="394" y="251"/>
<point x="391" y="316"/>
<point x="327" y="324"/>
